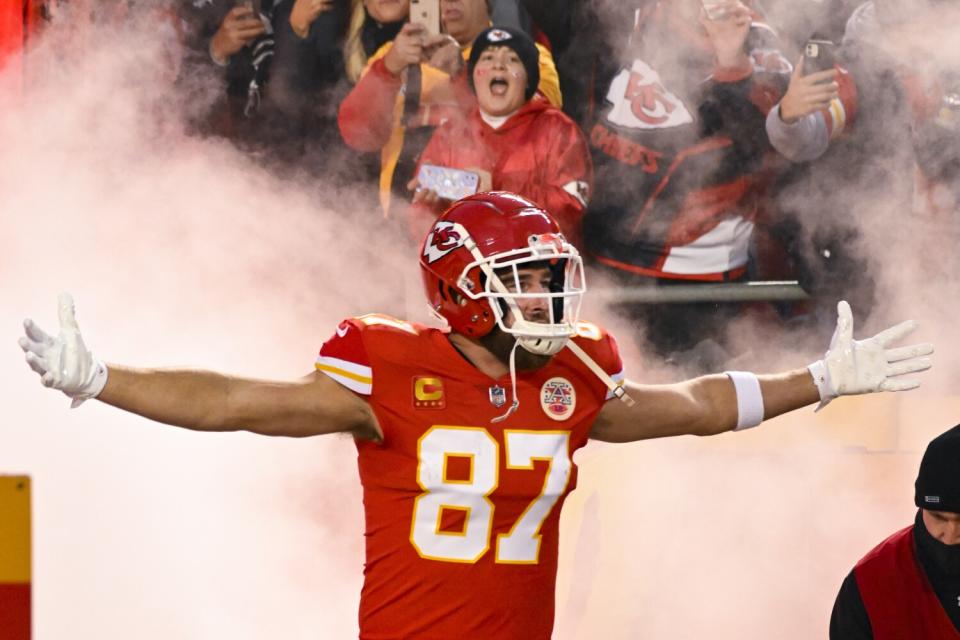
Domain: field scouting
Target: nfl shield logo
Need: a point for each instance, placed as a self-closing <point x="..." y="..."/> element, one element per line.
<point x="498" y="396"/>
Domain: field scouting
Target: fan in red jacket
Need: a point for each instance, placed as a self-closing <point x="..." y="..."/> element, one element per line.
<point x="513" y="140"/>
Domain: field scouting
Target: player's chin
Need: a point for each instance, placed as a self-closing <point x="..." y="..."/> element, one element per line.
<point x="501" y="343"/>
<point x="527" y="361"/>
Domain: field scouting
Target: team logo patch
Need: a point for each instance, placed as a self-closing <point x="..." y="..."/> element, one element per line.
<point x="498" y="35"/>
<point x="640" y="101"/>
<point x="498" y="396"/>
<point x="428" y="393"/>
<point x="558" y="398"/>
<point x="442" y="240"/>
<point x="579" y="190"/>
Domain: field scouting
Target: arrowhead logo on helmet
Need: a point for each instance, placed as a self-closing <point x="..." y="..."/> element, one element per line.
<point x="443" y="239"/>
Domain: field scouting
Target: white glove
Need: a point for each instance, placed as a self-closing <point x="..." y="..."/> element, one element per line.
<point x="64" y="362"/>
<point x="851" y="367"/>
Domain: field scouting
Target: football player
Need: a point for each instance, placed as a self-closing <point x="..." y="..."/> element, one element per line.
<point x="466" y="434"/>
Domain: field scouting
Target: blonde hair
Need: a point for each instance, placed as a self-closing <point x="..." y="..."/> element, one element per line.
<point x="354" y="57"/>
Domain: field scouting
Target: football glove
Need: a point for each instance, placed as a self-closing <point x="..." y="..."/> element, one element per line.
<point x="852" y="367"/>
<point x="64" y="362"/>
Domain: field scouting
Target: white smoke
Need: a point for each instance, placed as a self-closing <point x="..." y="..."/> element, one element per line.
<point x="750" y="535"/>
<point x="181" y="252"/>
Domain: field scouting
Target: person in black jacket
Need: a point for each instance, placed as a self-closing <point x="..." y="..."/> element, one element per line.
<point x="321" y="50"/>
<point x="234" y="43"/>
<point x="909" y="585"/>
<point x="681" y="165"/>
<point x="282" y="65"/>
<point x="880" y="164"/>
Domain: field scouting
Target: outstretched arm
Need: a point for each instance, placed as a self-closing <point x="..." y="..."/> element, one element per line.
<point x="209" y="401"/>
<point x="199" y="400"/>
<point x="714" y="404"/>
<point x="702" y="406"/>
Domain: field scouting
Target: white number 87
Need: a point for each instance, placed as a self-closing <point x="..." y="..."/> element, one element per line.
<point x="470" y="496"/>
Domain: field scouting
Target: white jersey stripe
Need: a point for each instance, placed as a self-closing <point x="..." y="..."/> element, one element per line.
<point x="360" y="370"/>
<point x="839" y="116"/>
<point x="350" y="374"/>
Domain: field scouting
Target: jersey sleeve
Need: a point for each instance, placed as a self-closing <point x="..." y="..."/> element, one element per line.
<point x="602" y="347"/>
<point x="616" y="367"/>
<point x="810" y="136"/>
<point x="344" y="358"/>
<point x="567" y="175"/>
<point x="366" y="116"/>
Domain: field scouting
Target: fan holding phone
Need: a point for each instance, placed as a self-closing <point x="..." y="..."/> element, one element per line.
<point x="413" y="85"/>
<point x="813" y="85"/>
<point x="510" y="141"/>
<point x="242" y="25"/>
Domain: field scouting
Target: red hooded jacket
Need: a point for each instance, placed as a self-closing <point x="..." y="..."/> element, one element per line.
<point x="538" y="153"/>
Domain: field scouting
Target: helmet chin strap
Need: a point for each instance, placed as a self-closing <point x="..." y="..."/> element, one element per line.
<point x="616" y="388"/>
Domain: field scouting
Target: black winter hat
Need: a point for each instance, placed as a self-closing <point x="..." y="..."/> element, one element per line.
<point x="938" y="483"/>
<point x="516" y="40"/>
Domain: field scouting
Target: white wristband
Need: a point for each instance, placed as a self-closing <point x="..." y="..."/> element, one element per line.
<point x="749" y="399"/>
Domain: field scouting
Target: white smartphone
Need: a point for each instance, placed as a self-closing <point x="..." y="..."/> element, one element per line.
<point x="449" y="183"/>
<point x="427" y="13"/>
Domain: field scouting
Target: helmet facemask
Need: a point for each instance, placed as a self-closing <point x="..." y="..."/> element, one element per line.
<point x="503" y="289"/>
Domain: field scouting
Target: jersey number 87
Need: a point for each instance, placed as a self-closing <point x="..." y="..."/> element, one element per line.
<point x="471" y="496"/>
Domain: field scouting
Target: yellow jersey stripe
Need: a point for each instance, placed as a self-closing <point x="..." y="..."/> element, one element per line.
<point x="344" y="373"/>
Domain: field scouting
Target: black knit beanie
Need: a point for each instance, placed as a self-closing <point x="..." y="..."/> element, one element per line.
<point x="516" y="40"/>
<point x="938" y="483"/>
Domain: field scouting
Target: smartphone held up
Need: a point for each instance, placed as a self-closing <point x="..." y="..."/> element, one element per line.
<point x="448" y="183"/>
<point x="426" y="13"/>
<point x="818" y="55"/>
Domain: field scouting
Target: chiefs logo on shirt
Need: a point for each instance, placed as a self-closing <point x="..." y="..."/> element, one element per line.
<point x="640" y="101"/>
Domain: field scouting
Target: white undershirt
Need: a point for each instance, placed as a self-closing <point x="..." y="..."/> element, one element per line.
<point x="495" y="122"/>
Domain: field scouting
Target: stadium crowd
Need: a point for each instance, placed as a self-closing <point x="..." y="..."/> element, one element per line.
<point x="677" y="142"/>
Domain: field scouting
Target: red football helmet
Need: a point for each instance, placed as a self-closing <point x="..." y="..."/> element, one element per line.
<point x="470" y="263"/>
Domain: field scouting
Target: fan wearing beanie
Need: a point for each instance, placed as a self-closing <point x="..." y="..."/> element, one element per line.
<point x="413" y="84"/>
<point x="908" y="587"/>
<point x="505" y="41"/>
<point x="513" y="139"/>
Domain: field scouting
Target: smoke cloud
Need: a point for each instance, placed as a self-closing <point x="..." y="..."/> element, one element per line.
<point x="179" y="252"/>
<point x="182" y="252"/>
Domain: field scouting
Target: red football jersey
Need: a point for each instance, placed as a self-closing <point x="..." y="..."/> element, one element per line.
<point x="462" y="513"/>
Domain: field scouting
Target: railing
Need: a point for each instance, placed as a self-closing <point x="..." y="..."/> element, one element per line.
<point x="761" y="291"/>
